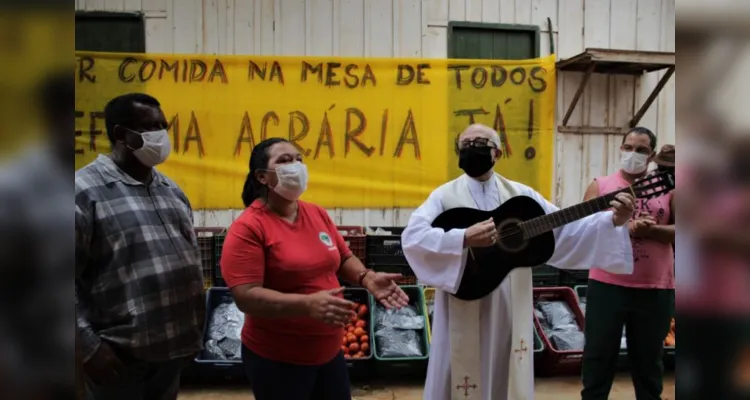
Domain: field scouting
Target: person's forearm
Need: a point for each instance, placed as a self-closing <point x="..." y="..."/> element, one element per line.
<point x="266" y="303"/>
<point x="351" y="270"/>
<point x="661" y="233"/>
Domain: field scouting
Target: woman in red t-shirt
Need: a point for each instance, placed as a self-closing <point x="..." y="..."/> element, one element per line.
<point x="281" y="260"/>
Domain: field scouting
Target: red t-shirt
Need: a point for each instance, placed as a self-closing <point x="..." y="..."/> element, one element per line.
<point x="301" y="257"/>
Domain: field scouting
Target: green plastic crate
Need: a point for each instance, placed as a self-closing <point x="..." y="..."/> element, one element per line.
<point x="416" y="298"/>
<point x="538" y="344"/>
<point x="580" y="292"/>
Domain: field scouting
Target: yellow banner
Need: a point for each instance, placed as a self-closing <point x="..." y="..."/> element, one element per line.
<point x="375" y="132"/>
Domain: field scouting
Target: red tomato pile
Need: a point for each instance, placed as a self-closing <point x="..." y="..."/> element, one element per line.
<point x="356" y="341"/>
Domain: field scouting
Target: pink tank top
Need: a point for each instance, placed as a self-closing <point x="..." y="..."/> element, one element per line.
<point x="720" y="284"/>
<point x="654" y="261"/>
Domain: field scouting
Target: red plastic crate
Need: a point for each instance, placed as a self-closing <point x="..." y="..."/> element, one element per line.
<point x="553" y="361"/>
<point x="355" y="238"/>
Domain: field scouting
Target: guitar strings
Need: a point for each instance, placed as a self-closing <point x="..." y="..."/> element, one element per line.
<point x="518" y="229"/>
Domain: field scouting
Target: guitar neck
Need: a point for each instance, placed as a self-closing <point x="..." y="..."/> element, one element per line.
<point x="537" y="226"/>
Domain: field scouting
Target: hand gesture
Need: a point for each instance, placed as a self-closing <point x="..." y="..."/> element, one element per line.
<point x="482" y="234"/>
<point x="384" y="288"/>
<point x="640" y="226"/>
<point x="328" y="307"/>
<point x="104" y="367"/>
<point x="624" y="205"/>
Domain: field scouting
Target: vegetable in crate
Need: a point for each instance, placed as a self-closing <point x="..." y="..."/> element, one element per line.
<point x="398" y="332"/>
<point x="670" y="340"/>
<point x="356" y="342"/>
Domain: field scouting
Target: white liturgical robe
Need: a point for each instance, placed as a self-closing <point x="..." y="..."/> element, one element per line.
<point x="438" y="258"/>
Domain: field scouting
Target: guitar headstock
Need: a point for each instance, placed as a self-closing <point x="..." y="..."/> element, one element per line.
<point x="653" y="185"/>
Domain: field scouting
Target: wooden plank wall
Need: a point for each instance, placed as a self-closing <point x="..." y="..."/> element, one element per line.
<point x="418" y="28"/>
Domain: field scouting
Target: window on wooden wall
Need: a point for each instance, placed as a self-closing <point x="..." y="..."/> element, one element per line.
<point x="492" y="41"/>
<point x="110" y="32"/>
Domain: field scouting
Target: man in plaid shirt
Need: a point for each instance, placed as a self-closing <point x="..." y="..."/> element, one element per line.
<point x="139" y="287"/>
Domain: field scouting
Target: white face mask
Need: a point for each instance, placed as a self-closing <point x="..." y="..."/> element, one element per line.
<point x="292" y="180"/>
<point x="155" y="149"/>
<point x="634" y="163"/>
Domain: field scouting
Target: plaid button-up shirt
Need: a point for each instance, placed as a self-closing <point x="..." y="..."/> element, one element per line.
<point x="139" y="283"/>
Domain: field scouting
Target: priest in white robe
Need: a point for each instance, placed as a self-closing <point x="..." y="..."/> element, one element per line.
<point x="482" y="350"/>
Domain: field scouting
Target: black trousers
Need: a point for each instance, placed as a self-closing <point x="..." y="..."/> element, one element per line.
<point x="714" y="358"/>
<point x="646" y="315"/>
<point x="272" y="380"/>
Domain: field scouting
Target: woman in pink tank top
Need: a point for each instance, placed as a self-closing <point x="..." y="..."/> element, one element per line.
<point x="643" y="302"/>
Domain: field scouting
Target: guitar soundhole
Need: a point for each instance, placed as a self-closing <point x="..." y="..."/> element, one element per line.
<point x="511" y="237"/>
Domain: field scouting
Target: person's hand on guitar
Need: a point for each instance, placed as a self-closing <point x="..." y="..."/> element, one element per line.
<point x="624" y="205"/>
<point x="481" y="234"/>
<point x="640" y="226"/>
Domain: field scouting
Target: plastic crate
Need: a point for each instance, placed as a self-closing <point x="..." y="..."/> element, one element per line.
<point x="538" y="343"/>
<point x="361" y="367"/>
<point x="355" y="238"/>
<point x="227" y="369"/>
<point x="207" y="250"/>
<point x="572" y="279"/>
<point x="408" y="278"/>
<point x="545" y="276"/>
<point x="556" y="361"/>
<point x="218" y="247"/>
<point x="403" y="366"/>
<point x="580" y="291"/>
<point x="429" y="298"/>
<point x="538" y="349"/>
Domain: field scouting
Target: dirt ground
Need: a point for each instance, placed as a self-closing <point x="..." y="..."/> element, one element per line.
<point x="558" y="388"/>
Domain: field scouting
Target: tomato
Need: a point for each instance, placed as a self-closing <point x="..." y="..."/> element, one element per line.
<point x="343" y="340"/>
<point x="347" y="356"/>
<point x="345" y="349"/>
<point x="354" y="347"/>
<point x="364" y="347"/>
<point x="351" y="338"/>
<point x="364" y="339"/>
<point x="360" y="324"/>
<point x="358" y="332"/>
<point x="359" y="355"/>
<point x="362" y="310"/>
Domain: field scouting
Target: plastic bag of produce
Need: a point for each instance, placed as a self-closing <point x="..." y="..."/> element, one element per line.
<point x="395" y="343"/>
<point x="557" y="313"/>
<point x="567" y="339"/>
<point x="398" y="332"/>
<point x="402" y="318"/>
<point x="224" y="332"/>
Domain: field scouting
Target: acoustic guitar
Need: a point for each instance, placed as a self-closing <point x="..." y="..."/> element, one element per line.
<point x="525" y="237"/>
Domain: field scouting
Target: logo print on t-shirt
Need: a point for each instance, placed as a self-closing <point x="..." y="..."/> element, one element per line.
<point x="325" y="239"/>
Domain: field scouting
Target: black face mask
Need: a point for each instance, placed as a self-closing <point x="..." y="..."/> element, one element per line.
<point x="475" y="161"/>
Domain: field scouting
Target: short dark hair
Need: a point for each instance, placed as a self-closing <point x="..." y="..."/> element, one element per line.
<point x="259" y="159"/>
<point x="122" y="110"/>
<point x="640" y="130"/>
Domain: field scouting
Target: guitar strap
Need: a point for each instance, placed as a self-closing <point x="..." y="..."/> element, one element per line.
<point x="465" y="321"/>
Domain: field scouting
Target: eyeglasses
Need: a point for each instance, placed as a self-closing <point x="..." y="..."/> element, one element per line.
<point x="476" y="142"/>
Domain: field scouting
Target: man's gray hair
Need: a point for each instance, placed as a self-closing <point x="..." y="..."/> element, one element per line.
<point x="485" y="130"/>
